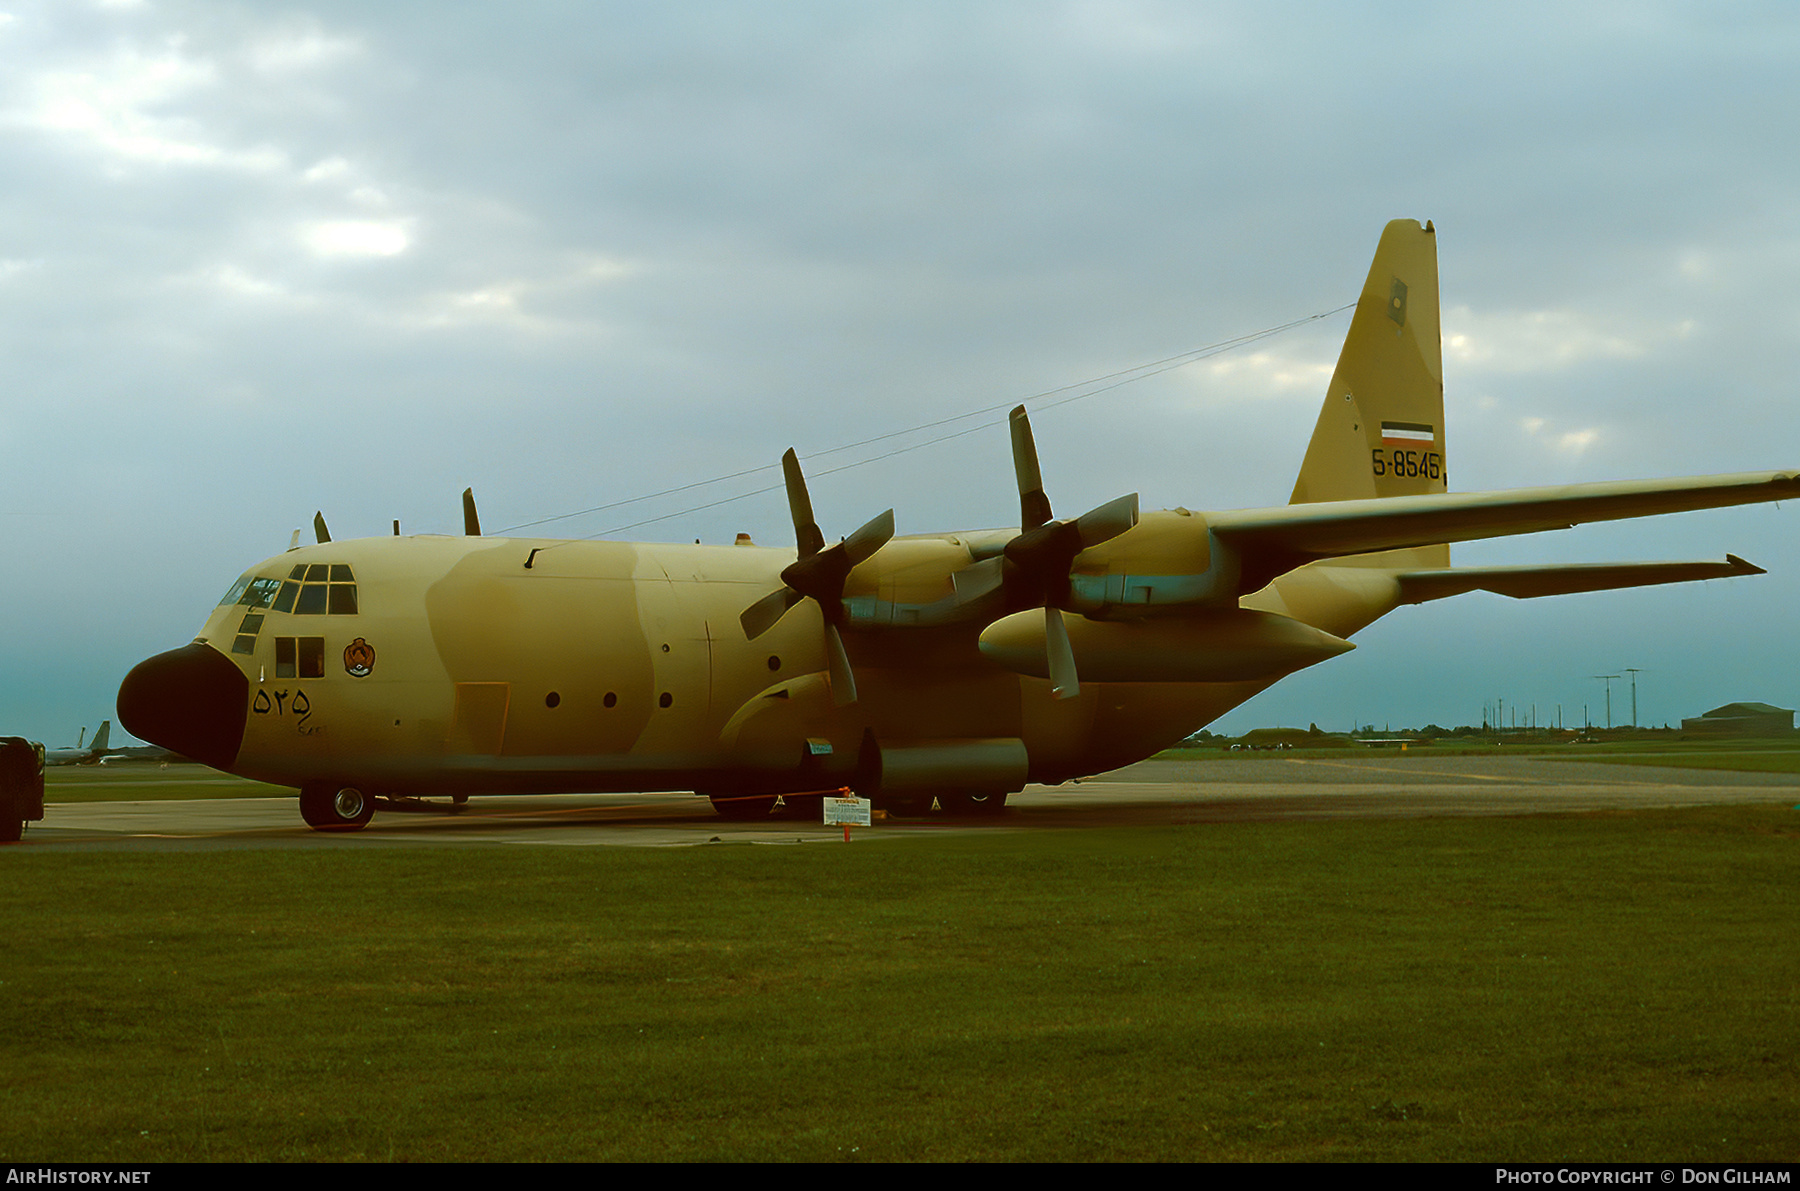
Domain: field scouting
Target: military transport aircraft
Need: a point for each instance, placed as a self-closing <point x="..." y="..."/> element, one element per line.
<point x="950" y="667"/>
<point x="76" y="754"/>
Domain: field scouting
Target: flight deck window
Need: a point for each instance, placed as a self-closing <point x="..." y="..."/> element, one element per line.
<point x="245" y="642"/>
<point x="260" y="593"/>
<point x="319" y="589"/>
<point x="299" y="657"/>
<point x="237" y="589"/>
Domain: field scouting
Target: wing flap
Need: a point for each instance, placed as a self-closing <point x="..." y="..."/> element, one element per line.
<point x="1528" y="583"/>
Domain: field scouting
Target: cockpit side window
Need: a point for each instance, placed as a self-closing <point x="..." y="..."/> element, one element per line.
<point x="251" y="594"/>
<point x="299" y="657"/>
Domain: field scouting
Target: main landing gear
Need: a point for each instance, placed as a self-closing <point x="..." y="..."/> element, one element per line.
<point x="329" y="807"/>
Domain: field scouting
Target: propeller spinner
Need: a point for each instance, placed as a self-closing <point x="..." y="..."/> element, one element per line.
<point x="818" y="574"/>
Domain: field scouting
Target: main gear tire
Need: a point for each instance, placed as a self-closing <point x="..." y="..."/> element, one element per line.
<point x="329" y="807"/>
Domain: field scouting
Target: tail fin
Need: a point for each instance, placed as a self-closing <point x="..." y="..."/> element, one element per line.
<point x="1381" y="431"/>
<point x="100" y="737"/>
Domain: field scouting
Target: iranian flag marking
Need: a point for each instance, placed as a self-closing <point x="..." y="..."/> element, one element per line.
<point x="1407" y="432"/>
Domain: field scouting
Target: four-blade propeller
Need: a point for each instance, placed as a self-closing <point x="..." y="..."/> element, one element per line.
<point x="1033" y="568"/>
<point x="818" y="574"/>
<point x="1038" y="560"/>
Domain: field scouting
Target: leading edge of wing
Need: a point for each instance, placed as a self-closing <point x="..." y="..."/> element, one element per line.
<point x="1307" y="532"/>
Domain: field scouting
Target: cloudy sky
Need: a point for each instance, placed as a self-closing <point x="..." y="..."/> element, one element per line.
<point x="260" y="259"/>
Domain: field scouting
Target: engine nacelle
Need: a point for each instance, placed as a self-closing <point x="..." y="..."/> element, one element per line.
<point x="1234" y="646"/>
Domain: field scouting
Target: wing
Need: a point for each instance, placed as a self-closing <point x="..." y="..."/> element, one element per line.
<point x="1274" y="541"/>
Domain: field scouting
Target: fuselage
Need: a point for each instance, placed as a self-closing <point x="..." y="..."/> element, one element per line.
<point x="422" y="665"/>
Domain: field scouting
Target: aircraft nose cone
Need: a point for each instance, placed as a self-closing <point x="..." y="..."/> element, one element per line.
<point x="191" y="700"/>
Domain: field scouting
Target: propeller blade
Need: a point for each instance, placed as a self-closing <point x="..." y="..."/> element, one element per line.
<point x="806" y="529"/>
<point x="761" y="616"/>
<point x="973" y="582"/>
<point x="1108" y="521"/>
<point x="471" y="523"/>
<point x="818" y="573"/>
<point x="862" y="544"/>
<point x="1034" y="506"/>
<point x="1060" y="655"/>
<point x="843" y="682"/>
<point x="320" y="533"/>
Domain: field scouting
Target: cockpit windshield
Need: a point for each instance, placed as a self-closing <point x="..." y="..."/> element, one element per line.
<point x="316" y="589"/>
<point x="252" y="592"/>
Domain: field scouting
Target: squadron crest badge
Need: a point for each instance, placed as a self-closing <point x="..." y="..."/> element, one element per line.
<point x="359" y="658"/>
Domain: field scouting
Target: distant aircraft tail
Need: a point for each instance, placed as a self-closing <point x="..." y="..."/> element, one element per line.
<point x="1381" y="430"/>
<point x="100" y="737"/>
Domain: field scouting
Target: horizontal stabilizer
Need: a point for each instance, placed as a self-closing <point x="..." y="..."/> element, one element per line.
<point x="1276" y="540"/>
<point x="1526" y="583"/>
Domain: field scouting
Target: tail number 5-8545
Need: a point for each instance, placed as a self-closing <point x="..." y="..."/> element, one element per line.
<point x="1407" y="463"/>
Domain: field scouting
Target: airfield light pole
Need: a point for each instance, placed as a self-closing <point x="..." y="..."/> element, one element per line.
<point x="1608" y="680"/>
<point x="1634" y="672"/>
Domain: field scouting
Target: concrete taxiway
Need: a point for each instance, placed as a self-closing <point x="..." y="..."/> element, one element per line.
<point x="1151" y="793"/>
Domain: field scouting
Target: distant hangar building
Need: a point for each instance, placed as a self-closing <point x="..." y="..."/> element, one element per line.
<point x="1741" y="719"/>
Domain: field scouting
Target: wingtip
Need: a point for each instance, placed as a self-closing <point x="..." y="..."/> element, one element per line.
<point x="1740" y="567"/>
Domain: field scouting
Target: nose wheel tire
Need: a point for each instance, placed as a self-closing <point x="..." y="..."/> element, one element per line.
<point x="329" y="807"/>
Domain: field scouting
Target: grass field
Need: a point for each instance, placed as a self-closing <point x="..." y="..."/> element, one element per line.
<point x="1778" y="755"/>
<point x="140" y="782"/>
<point x="1742" y="760"/>
<point x="1603" y="987"/>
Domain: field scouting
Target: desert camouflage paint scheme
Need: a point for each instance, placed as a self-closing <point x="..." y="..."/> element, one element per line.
<point x="952" y="668"/>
